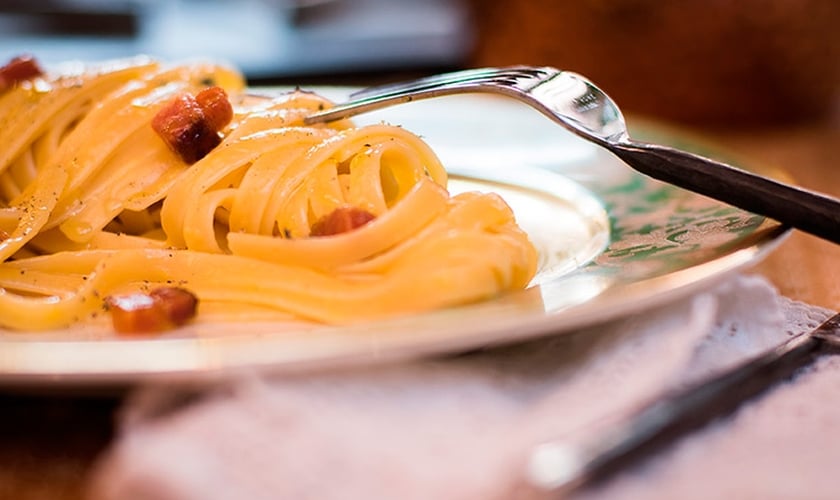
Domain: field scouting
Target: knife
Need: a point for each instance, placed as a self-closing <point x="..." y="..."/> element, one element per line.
<point x="563" y="467"/>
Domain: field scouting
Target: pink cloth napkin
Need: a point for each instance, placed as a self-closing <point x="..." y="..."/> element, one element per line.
<point x="464" y="427"/>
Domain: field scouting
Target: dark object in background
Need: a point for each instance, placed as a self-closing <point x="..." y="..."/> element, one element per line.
<point x="266" y="39"/>
<point x="697" y="61"/>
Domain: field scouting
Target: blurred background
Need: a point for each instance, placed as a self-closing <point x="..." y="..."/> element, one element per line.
<point x="693" y="61"/>
<point x="266" y="39"/>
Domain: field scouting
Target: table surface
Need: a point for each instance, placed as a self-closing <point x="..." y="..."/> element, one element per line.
<point x="48" y="442"/>
<point x="804" y="268"/>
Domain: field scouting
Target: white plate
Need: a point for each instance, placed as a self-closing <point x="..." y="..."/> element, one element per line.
<point x="611" y="241"/>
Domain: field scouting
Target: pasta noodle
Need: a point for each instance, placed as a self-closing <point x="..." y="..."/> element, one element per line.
<point x="93" y="203"/>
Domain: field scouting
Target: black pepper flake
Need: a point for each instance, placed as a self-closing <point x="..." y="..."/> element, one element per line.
<point x="283" y="233"/>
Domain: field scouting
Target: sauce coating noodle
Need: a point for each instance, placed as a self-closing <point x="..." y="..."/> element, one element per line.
<point x="94" y="203"/>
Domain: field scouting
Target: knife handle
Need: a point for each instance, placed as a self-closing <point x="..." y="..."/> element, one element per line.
<point x="562" y="466"/>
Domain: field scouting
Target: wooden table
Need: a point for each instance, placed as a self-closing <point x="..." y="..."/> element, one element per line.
<point x="49" y="441"/>
<point x="804" y="267"/>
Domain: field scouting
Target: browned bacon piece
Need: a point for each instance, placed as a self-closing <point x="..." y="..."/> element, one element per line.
<point x="190" y="125"/>
<point x="341" y="220"/>
<point x="19" y="69"/>
<point x="215" y="105"/>
<point x="159" y="310"/>
<point x="180" y="304"/>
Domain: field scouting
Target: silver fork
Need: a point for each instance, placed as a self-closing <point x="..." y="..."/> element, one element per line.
<point x="578" y="105"/>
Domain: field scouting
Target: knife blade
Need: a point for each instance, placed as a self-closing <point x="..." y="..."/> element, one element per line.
<point x="564" y="466"/>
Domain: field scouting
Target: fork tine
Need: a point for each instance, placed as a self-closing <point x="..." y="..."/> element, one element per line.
<point x="465" y="76"/>
<point x="483" y="79"/>
<point x="439" y="79"/>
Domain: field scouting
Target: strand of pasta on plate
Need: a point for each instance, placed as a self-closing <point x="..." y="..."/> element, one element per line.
<point x="138" y="194"/>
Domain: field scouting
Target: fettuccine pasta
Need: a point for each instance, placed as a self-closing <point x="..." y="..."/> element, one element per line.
<point x="94" y="203"/>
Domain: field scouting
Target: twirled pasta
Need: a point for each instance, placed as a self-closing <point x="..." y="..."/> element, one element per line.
<point x="94" y="203"/>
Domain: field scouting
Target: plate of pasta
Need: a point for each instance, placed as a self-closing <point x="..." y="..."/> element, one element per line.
<point x="165" y="220"/>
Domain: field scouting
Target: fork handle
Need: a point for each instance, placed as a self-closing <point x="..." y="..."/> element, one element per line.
<point x="812" y="212"/>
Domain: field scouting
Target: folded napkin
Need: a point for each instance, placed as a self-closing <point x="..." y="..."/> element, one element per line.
<point x="461" y="427"/>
